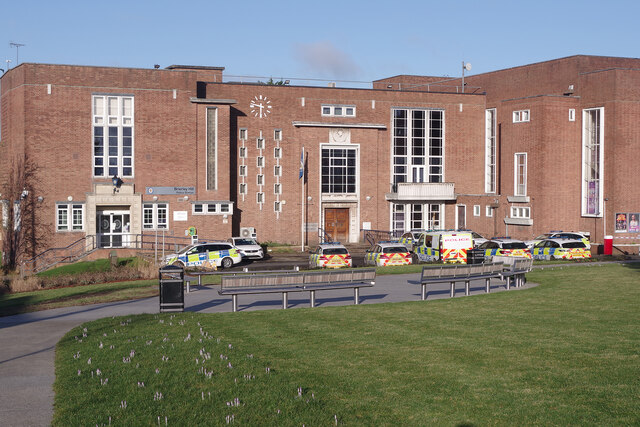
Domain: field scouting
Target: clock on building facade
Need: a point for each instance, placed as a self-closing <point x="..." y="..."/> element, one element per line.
<point x="260" y="106"/>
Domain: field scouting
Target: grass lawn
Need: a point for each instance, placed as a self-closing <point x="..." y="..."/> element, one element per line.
<point x="565" y="352"/>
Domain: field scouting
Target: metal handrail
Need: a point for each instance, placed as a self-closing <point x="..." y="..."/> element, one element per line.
<point x="324" y="235"/>
<point x="374" y="236"/>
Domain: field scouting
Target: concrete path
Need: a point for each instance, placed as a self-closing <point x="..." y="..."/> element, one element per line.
<point x="27" y="341"/>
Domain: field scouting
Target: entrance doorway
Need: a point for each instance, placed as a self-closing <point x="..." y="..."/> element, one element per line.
<point x="336" y="223"/>
<point x="113" y="229"/>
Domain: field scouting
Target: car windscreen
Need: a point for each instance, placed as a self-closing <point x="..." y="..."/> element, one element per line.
<point x="335" y="251"/>
<point x="514" y="245"/>
<point x="542" y="236"/>
<point x="574" y="245"/>
<point x="245" y="242"/>
<point x="185" y="250"/>
<point x="395" y="250"/>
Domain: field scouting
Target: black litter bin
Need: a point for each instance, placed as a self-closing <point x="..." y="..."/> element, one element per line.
<point x="171" y="280"/>
<point x="475" y="256"/>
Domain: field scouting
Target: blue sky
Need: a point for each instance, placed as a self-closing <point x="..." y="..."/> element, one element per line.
<point x="344" y="41"/>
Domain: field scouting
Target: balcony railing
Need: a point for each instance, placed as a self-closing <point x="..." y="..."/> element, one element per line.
<point x="418" y="191"/>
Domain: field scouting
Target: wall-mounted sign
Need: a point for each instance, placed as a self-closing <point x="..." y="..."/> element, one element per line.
<point x="170" y="190"/>
<point x="179" y="215"/>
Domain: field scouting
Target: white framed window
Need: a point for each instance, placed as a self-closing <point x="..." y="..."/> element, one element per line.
<point x="520" y="116"/>
<point x="592" y="161"/>
<point x="260" y="143"/>
<point x="277" y="134"/>
<point x="490" y="165"/>
<point x="338" y="110"/>
<point x="260" y="161"/>
<point x="572" y="114"/>
<point x="520" y="174"/>
<point x="277" y="188"/>
<point x="155" y="216"/>
<point x="339" y="169"/>
<point x="277" y="170"/>
<point x="277" y="206"/>
<point x="212" y="208"/>
<point x="242" y="152"/>
<point x="242" y="188"/>
<point x="113" y="135"/>
<point x="405" y="217"/>
<point x="242" y="170"/>
<point x="418" y="145"/>
<point x="69" y="216"/>
<point x="277" y="152"/>
<point x="522" y="212"/>
<point x="476" y="210"/>
<point x="242" y="134"/>
<point x="260" y="179"/>
<point x="488" y="211"/>
<point x="260" y="197"/>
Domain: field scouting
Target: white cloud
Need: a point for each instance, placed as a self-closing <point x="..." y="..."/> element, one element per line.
<point x="325" y="59"/>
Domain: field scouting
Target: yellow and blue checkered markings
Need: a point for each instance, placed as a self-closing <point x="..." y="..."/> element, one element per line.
<point x="522" y="253"/>
<point x="560" y="253"/>
<point x="200" y="259"/>
<point x="426" y="253"/>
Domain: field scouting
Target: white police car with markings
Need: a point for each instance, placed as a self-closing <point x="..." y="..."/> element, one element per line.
<point x="209" y="255"/>
<point x="330" y="255"/>
<point x="549" y="249"/>
<point x="387" y="254"/>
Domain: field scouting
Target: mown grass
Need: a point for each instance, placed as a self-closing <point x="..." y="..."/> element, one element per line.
<point x="98" y="265"/>
<point x="563" y="353"/>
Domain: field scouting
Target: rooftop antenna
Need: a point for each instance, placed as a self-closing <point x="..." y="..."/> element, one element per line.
<point x="17" y="46"/>
<point x="465" y="66"/>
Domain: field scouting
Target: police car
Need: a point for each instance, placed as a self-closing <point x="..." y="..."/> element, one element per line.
<point x="329" y="255"/>
<point x="410" y="238"/>
<point x="570" y="235"/>
<point x="505" y="246"/>
<point x="387" y="254"/>
<point x="206" y="255"/>
<point x="549" y="249"/>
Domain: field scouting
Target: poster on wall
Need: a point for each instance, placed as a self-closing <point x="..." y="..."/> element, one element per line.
<point x="634" y="223"/>
<point x="621" y="223"/>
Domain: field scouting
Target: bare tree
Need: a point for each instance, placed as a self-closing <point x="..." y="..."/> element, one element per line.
<point x="21" y="233"/>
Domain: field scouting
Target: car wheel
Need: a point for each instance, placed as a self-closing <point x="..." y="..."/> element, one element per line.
<point x="227" y="263"/>
<point x="414" y="259"/>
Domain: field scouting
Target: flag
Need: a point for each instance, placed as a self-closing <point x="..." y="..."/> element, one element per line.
<point x="301" y="164"/>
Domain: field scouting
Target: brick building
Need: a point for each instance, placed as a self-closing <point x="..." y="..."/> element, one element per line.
<point x="521" y="151"/>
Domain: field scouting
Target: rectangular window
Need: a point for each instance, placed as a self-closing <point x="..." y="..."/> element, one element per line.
<point x="213" y="208"/>
<point x="277" y="135"/>
<point x="418" y="145"/>
<point x="260" y="197"/>
<point x="242" y="189"/>
<point x="277" y="152"/>
<point x="592" y="161"/>
<point x="488" y="211"/>
<point x="461" y="217"/>
<point x="260" y="143"/>
<point x="242" y="152"/>
<point x="520" y="116"/>
<point x="113" y="136"/>
<point x="277" y="189"/>
<point x="520" y="212"/>
<point x="277" y="207"/>
<point x="242" y="134"/>
<point x="242" y="170"/>
<point x="69" y="217"/>
<point x="277" y="171"/>
<point x="155" y="216"/>
<point x="339" y="110"/>
<point x="260" y="179"/>
<point x="476" y="210"/>
<point x="212" y="148"/>
<point x="520" y="174"/>
<point x="572" y="114"/>
<point x="260" y="161"/>
<point x="339" y="170"/>
<point x="419" y="217"/>
<point x="490" y="151"/>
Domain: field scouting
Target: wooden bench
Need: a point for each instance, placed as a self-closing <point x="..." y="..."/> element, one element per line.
<point x="515" y="271"/>
<point x="297" y="282"/>
<point x="459" y="273"/>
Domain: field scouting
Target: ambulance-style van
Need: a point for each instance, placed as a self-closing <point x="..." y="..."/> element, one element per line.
<point x="445" y="246"/>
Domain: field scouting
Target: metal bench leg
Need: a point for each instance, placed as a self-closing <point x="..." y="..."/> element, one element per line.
<point x="234" y="303"/>
<point x="188" y="283"/>
<point x="424" y="291"/>
<point x="487" y="285"/>
<point x="285" y="300"/>
<point x="466" y="287"/>
<point x="313" y="298"/>
<point x="452" y="293"/>
<point x="199" y="282"/>
<point x="508" y="282"/>
<point x="356" y="296"/>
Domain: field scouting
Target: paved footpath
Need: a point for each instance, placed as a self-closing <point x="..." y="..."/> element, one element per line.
<point x="27" y="341"/>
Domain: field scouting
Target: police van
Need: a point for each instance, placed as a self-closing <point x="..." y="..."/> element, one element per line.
<point x="445" y="246"/>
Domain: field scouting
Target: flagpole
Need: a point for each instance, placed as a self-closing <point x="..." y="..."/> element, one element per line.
<point x="302" y="199"/>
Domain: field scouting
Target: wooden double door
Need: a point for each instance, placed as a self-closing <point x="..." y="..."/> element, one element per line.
<point x="336" y="223"/>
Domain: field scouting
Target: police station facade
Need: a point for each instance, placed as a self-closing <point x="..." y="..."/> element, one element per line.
<point x="518" y="152"/>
